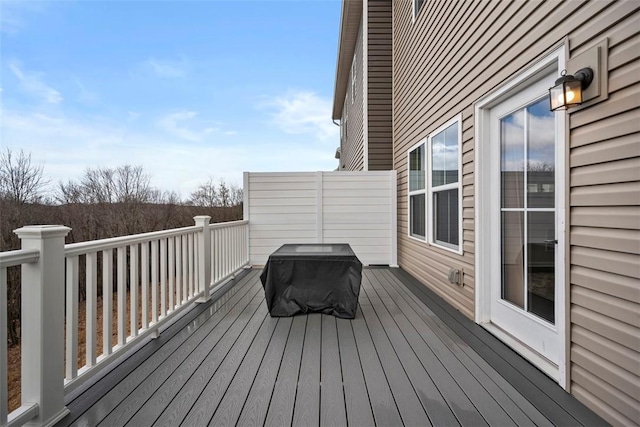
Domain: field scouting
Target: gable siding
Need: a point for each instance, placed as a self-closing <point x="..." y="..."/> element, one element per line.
<point x="456" y="52"/>
<point x="352" y="149"/>
<point x="379" y="85"/>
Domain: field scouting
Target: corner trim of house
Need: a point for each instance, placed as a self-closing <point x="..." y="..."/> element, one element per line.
<point x="365" y="85"/>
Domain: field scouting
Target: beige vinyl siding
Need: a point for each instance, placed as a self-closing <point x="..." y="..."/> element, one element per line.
<point x="379" y="85"/>
<point x="605" y="227"/>
<point x="456" y="52"/>
<point x="352" y="149"/>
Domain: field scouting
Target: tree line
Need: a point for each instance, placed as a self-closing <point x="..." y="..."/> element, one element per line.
<point x="104" y="202"/>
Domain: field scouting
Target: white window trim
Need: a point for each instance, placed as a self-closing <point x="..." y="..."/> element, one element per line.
<point x="457" y="185"/>
<point x="417" y="192"/>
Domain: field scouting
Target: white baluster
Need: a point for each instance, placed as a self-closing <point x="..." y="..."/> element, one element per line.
<point x="133" y="289"/>
<point x="107" y="300"/>
<point x="163" y="277"/>
<point x="179" y="280"/>
<point x="71" y="361"/>
<point x="122" y="295"/>
<point x="144" y="284"/>
<point x="91" y="326"/>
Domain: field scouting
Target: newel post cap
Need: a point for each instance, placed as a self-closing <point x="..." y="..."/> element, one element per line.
<point x="42" y="231"/>
<point x="202" y="219"/>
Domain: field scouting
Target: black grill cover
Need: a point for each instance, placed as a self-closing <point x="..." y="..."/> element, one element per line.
<point x="312" y="278"/>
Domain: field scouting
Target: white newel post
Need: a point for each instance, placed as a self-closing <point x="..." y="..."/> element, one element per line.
<point x="204" y="255"/>
<point x="42" y="324"/>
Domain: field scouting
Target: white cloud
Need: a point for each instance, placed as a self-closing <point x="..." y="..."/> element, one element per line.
<point x="304" y="112"/>
<point x="12" y="14"/>
<point x="167" y="68"/>
<point x="85" y="96"/>
<point x="67" y="146"/>
<point x="177" y="125"/>
<point x="33" y="84"/>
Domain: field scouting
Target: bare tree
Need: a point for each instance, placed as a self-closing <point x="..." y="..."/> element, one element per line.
<point x="221" y="195"/>
<point x="124" y="184"/>
<point x="206" y="195"/>
<point x="21" y="181"/>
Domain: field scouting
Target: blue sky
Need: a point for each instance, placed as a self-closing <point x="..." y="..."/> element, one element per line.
<point x="187" y="89"/>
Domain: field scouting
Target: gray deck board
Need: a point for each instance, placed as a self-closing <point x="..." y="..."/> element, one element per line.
<point x="356" y="395"/>
<point x="177" y="371"/>
<point x="332" y="409"/>
<point x="397" y="363"/>
<point x="409" y="406"/>
<point x="450" y="367"/>
<point x="259" y="328"/>
<point x="188" y="386"/>
<point x="518" y="408"/>
<point x="382" y="401"/>
<point x="254" y="411"/>
<point x="173" y="352"/>
<point x="231" y="405"/>
<point x="416" y="356"/>
<point x="306" y="411"/>
<point x="280" y="412"/>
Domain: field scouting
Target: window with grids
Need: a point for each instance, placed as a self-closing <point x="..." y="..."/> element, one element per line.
<point x="417" y="193"/>
<point x="445" y="185"/>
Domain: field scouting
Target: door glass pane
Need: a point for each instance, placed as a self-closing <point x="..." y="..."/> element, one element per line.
<point x="416" y="169"/>
<point x="513" y="257"/>
<point x="512" y="159"/>
<point x="540" y="155"/>
<point x="541" y="264"/>
<point x="418" y="221"/>
<point x="445" y="221"/>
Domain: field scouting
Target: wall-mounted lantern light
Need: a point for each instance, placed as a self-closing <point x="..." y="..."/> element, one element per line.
<point x="567" y="91"/>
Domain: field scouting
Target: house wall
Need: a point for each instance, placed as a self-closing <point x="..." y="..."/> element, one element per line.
<point x="352" y="147"/>
<point x="322" y="207"/>
<point x="604" y="161"/>
<point x="455" y="53"/>
<point x="379" y="73"/>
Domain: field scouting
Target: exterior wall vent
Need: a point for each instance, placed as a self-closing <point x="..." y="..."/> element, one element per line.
<point x="455" y="276"/>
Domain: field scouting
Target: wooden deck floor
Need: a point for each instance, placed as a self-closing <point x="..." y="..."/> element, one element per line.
<point x="396" y="363"/>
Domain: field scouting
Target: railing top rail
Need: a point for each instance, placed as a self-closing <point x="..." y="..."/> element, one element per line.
<point x="17" y="257"/>
<point x="81" y="248"/>
<point x="228" y="224"/>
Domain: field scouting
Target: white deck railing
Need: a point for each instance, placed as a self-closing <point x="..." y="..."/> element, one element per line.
<point x="156" y="276"/>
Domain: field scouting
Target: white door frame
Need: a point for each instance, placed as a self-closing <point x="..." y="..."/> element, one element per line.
<point x="555" y="61"/>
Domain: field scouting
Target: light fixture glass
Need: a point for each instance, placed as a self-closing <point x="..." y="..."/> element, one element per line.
<point x="567" y="91"/>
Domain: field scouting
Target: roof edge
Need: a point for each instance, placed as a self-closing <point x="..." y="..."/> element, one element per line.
<point x="350" y="17"/>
